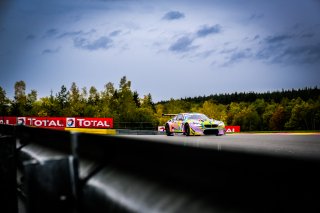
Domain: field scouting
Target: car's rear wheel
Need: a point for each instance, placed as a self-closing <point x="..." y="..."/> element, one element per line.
<point x="187" y="129"/>
<point x="168" y="133"/>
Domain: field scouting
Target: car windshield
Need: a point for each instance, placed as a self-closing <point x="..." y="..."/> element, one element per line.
<point x="197" y="117"/>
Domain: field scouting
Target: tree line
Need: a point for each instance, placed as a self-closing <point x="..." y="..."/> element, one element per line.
<point x="275" y="96"/>
<point x="280" y="110"/>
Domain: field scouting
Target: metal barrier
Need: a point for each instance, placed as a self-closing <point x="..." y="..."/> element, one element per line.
<point x="138" y="132"/>
<point x="8" y="196"/>
<point x="136" y="125"/>
<point x="75" y="172"/>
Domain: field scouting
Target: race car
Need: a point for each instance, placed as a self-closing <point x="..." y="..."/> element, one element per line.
<point x="193" y="124"/>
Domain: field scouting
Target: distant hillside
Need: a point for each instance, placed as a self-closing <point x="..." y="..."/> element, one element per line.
<point x="276" y="96"/>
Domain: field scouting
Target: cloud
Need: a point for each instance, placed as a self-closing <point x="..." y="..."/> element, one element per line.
<point x="306" y="54"/>
<point x="50" y="51"/>
<point x="238" y="55"/>
<point x="82" y="39"/>
<point x="289" y="49"/>
<point x="268" y="52"/>
<point x="115" y="33"/>
<point x="183" y="44"/>
<point x="281" y="49"/>
<point x="272" y="46"/>
<point x="100" y="43"/>
<point x="278" y="38"/>
<point x="206" y="30"/>
<point x="76" y="33"/>
<point x="205" y="54"/>
<point x="256" y="16"/>
<point x="251" y="38"/>
<point x="173" y="15"/>
<point x="73" y="33"/>
<point x="50" y="33"/>
<point x="307" y="35"/>
<point x="30" y="37"/>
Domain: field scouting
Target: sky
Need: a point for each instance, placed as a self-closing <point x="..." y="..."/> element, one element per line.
<point x="169" y="48"/>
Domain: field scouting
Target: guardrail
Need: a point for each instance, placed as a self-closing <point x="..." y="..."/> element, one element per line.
<point x="136" y="125"/>
<point x="8" y="197"/>
<point x="75" y="172"/>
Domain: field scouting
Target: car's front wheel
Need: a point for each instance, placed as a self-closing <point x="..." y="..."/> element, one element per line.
<point x="168" y="133"/>
<point x="224" y="132"/>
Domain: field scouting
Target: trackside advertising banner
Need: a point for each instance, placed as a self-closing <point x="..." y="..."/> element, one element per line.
<point x="230" y="129"/>
<point x="8" y="120"/>
<point x="59" y="122"/>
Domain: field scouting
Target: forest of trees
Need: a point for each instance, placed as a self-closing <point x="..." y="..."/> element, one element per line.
<point x="280" y="110"/>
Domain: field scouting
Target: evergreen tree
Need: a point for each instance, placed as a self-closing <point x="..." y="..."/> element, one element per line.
<point x="30" y="103"/>
<point x="4" y="102"/>
<point x="126" y="104"/>
<point x="20" y="99"/>
<point x="63" y="101"/>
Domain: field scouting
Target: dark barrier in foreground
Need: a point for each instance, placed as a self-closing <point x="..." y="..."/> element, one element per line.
<point x="65" y="172"/>
<point x="8" y="196"/>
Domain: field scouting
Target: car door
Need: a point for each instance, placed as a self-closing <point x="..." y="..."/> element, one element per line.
<point x="178" y="123"/>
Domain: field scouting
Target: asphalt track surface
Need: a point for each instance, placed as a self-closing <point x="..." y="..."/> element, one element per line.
<point x="296" y="145"/>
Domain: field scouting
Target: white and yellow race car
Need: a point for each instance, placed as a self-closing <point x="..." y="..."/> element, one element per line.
<point x="193" y="124"/>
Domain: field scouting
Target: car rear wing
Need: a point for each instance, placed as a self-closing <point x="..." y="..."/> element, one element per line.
<point x="171" y="115"/>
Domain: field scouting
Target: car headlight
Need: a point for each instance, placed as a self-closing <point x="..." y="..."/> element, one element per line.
<point x="221" y="124"/>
